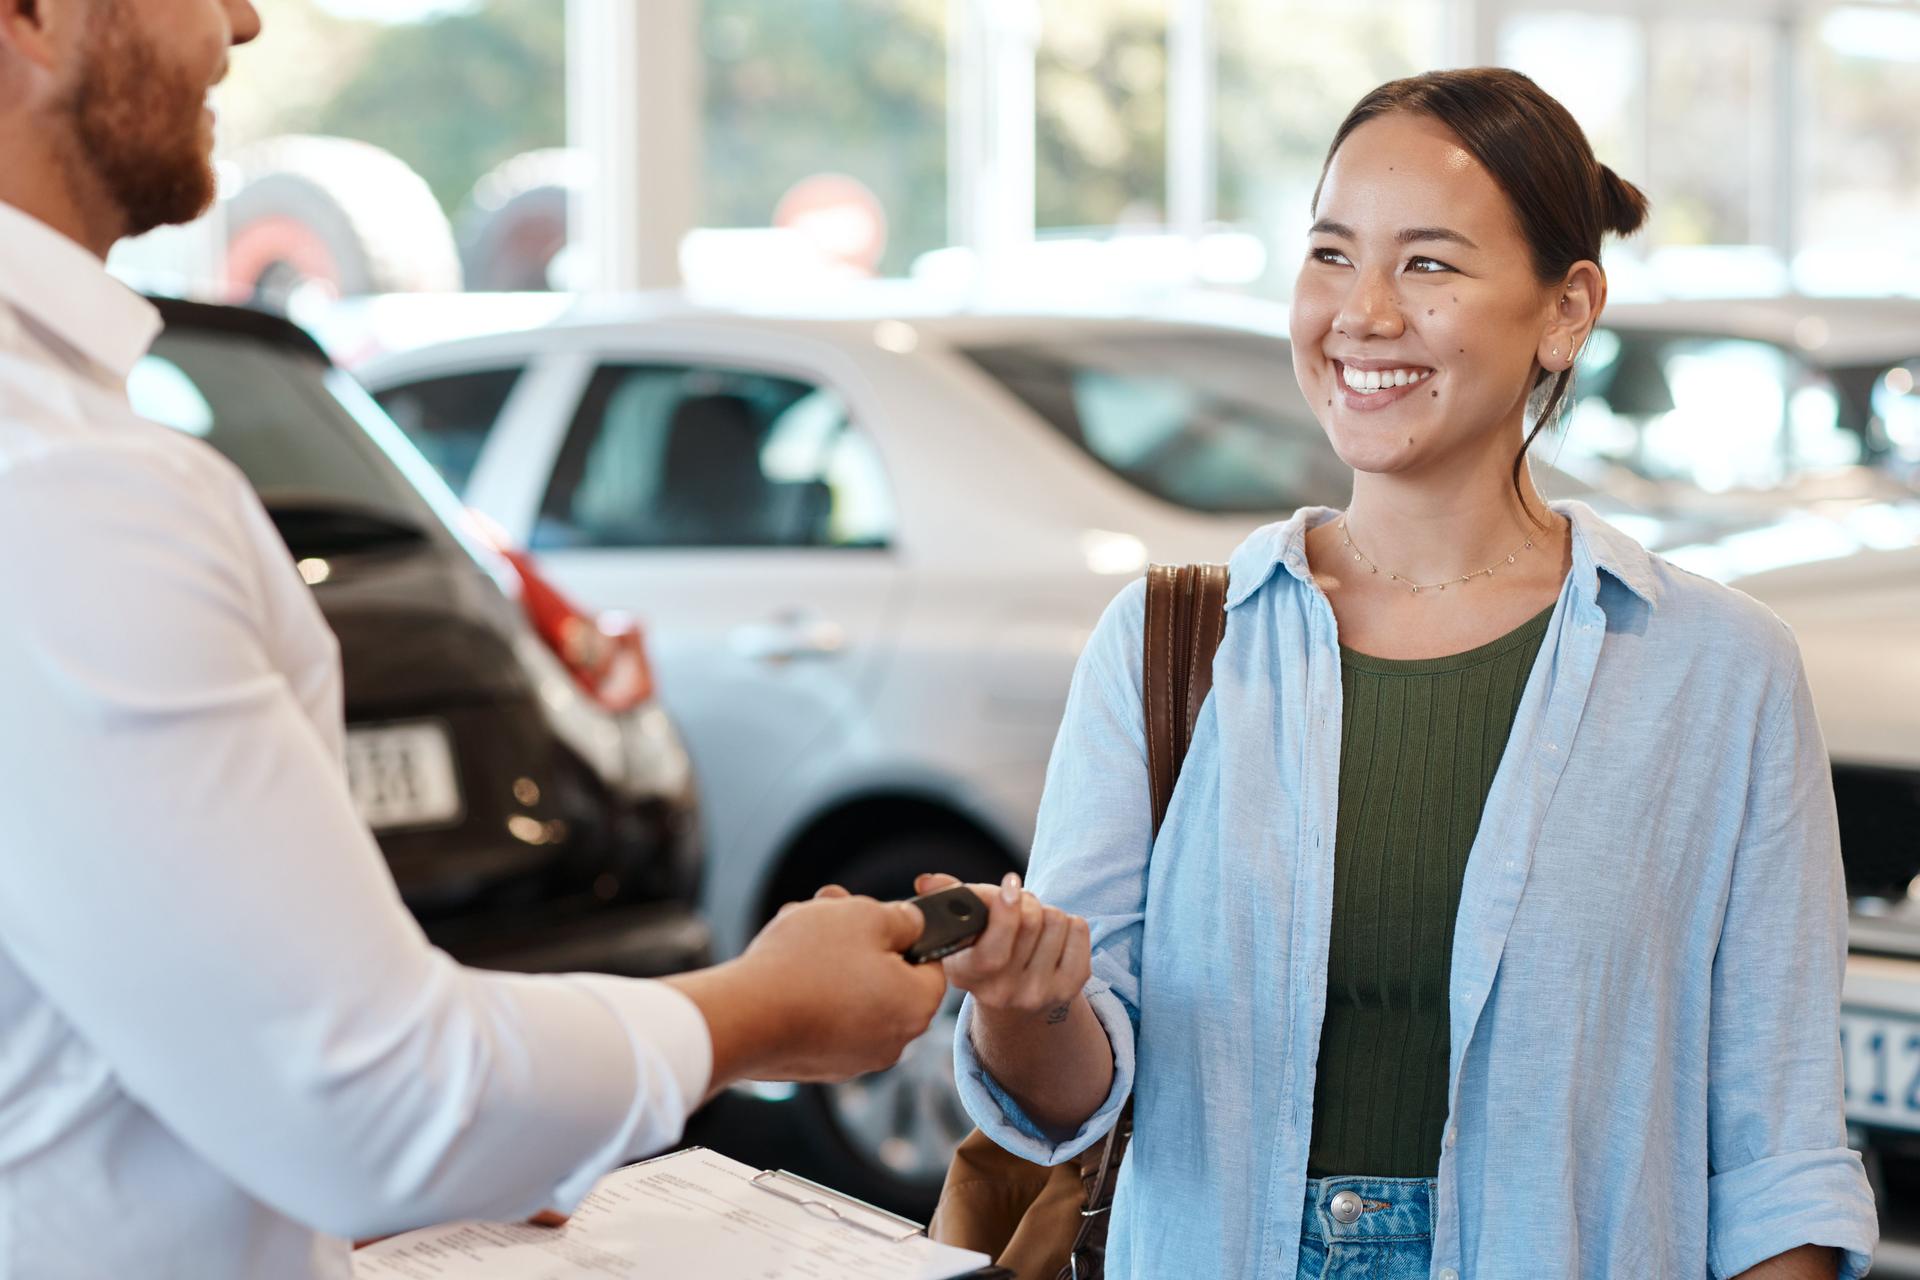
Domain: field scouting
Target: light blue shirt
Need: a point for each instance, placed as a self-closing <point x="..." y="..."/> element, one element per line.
<point x="1644" y="1073"/>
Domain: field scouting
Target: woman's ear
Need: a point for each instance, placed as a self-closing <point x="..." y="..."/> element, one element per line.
<point x="1576" y="308"/>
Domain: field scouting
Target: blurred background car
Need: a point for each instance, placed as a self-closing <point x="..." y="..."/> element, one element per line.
<point x="528" y="790"/>
<point x="1735" y="409"/>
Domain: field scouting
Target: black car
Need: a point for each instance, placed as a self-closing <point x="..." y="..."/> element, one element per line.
<point x="532" y="798"/>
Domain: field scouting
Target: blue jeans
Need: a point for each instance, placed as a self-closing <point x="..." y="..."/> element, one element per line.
<point x="1389" y="1237"/>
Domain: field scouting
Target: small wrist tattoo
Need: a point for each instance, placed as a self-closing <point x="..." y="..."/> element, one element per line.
<point x="1058" y="1015"/>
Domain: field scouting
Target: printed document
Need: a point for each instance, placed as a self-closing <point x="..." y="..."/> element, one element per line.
<point x="694" y="1214"/>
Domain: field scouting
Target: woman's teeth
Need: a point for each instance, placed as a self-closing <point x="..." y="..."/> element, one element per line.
<point x="1376" y="379"/>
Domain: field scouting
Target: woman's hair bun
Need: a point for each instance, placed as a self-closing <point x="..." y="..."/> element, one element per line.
<point x="1625" y="205"/>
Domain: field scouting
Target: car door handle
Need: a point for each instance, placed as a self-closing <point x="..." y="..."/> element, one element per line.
<point x="787" y="637"/>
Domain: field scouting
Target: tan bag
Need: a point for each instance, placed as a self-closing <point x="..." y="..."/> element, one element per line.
<point x="1040" y="1222"/>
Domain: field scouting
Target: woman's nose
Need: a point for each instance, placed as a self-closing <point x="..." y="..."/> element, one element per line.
<point x="1370" y="309"/>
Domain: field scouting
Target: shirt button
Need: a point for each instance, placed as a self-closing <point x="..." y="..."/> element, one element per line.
<point x="1453" y="1134"/>
<point x="1448" y="1273"/>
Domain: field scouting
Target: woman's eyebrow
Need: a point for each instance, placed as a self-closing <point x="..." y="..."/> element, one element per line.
<point x="1412" y="234"/>
<point x="1327" y="226"/>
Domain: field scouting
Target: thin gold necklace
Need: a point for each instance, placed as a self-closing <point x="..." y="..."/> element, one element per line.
<point x="1346" y="539"/>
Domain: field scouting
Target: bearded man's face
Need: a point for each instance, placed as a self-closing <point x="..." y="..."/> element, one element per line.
<point x="136" y="109"/>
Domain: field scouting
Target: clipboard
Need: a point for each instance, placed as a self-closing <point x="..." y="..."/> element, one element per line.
<point x="824" y="1201"/>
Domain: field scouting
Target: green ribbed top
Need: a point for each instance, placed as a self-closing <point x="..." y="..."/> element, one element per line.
<point x="1419" y="744"/>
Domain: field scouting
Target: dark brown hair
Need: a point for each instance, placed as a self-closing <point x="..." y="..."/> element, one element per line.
<point x="1564" y="198"/>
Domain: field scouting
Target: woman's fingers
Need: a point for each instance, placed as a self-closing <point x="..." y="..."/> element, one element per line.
<point x="933" y="882"/>
<point x="1029" y="956"/>
<point x="1076" y="958"/>
<point x="1055" y="929"/>
<point x="1033" y="916"/>
<point x="993" y="952"/>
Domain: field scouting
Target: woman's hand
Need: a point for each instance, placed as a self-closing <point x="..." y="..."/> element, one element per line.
<point x="1031" y="959"/>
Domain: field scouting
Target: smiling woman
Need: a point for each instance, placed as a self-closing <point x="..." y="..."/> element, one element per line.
<point x="1504" y="870"/>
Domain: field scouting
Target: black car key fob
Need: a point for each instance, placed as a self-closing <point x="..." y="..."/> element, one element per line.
<point x="955" y="918"/>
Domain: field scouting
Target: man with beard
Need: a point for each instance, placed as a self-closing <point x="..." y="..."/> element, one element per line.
<point x="225" y="1049"/>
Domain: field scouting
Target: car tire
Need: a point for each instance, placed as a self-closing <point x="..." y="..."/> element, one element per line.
<point x="341" y="213"/>
<point x="514" y="224"/>
<point x="887" y="1137"/>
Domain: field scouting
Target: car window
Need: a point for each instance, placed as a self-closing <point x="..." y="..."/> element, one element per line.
<point x="1714" y="412"/>
<point x="448" y="418"/>
<point x="1213" y="421"/>
<point x="683" y="456"/>
<point x="269" y="411"/>
<point x="1896" y="406"/>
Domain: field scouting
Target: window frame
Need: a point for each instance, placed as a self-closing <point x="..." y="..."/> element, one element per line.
<point x="522" y="368"/>
<point x="568" y="438"/>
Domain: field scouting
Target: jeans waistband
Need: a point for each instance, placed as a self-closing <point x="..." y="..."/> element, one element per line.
<point x="1388" y="1208"/>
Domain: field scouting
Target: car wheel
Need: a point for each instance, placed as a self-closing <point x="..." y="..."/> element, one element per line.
<point x="889" y="1136"/>
<point x="345" y="214"/>
<point x="514" y="224"/>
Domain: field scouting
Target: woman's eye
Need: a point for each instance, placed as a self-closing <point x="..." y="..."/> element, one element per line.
<point x="1332" y="257"/>
<point x="1427" y="266"/>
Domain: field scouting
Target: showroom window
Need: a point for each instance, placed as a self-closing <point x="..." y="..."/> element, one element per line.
<point x="1100" y="88"/>
<point x="1212" y="422"/>
<point x="804" y="88"/>
<point x="682" y="456"/>
<point x="1713" y="179"/>
<point x="448" y="419"/>
<point x="1861" y="182"/>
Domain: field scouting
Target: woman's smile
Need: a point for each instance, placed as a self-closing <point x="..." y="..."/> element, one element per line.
<point x="1369" y="385"/>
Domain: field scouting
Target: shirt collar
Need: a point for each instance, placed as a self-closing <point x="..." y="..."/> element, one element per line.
<point x="1597" y="546"/>
<point x="65" y="290"/>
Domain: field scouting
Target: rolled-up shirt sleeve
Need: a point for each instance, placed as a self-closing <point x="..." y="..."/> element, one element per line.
<point x="189" y="884"/>
<point x="1090" y="851"/>
<point x="1782" y="1174"/>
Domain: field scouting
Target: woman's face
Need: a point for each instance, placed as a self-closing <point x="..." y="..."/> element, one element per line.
<point x="1417" y="317"/>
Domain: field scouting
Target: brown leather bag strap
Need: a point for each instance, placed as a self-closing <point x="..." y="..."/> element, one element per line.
<point x="1186" y="619"/>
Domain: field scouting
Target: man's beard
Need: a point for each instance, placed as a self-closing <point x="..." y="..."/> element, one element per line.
<point x="137" y="126"/>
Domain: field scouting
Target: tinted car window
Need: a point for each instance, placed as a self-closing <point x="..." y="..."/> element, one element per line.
<point x="1715" y="412"/>
<point x="268" y="411"/>
<point x="1888" y="394"/>
<point x="1211" y="421"/>
<point x="448" y="419"/>
<point x="293" y="427"/>
<point x="678" y="456"/>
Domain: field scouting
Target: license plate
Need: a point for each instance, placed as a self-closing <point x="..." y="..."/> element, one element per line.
<point x="402" y="775"/>
<point x="1882" y="1056"/>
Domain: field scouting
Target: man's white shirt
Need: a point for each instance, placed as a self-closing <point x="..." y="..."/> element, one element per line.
<point x="225" y="1047"/>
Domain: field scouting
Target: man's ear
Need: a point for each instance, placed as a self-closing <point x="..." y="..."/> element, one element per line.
<point x="28" y="30"/>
